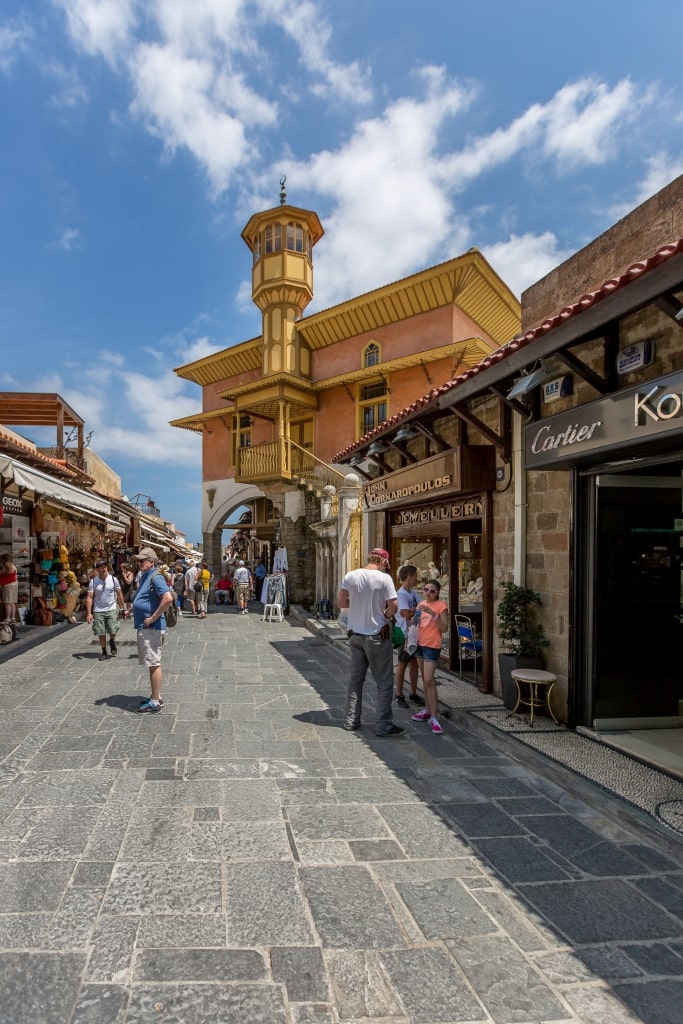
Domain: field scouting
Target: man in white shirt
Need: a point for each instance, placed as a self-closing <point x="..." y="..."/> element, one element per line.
<point x="370" y="596"/>
<point x="243" y="582"/>
<point x="190" y="578"/>
<point x="102" y="602"/>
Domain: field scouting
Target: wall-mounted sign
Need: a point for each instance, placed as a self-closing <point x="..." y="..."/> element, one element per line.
<point x="438" y="512"/>
<point x="634" y="415"/>
<point x="561" y="387"/>
<point x="635" y="357"/>
<point x="12" y="505"/>
<point x="439" y="474"/>
<point x="468" y="468"/>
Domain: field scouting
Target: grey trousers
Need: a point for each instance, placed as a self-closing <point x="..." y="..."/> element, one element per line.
<point x="376" y="654"/>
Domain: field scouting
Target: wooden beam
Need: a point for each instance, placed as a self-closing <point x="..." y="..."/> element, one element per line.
<point x="490" y="435"/>
<point x="578" y="366"/>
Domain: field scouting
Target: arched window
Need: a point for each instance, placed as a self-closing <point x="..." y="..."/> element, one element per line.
<point x="371" y="354"/>
<point x="273" y="237"/>
<point x="257" y="248"/>
<point x="295" y="237"/>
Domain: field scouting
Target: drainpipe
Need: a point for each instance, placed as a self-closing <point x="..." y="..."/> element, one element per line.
<point x="520" y="499"/>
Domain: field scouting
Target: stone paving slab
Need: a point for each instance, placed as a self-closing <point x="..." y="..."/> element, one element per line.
<point x="242" y="858"/>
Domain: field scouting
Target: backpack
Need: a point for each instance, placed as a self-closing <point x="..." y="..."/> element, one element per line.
<point x="171" y="613"/>
<point x="6" y="635"/>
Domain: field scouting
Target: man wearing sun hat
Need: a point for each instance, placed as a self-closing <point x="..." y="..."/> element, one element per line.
<point x="153" y="596"/>
<point x="370" y="597"/>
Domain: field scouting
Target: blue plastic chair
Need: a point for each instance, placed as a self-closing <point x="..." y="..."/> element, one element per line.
<point x="469" y="648"/>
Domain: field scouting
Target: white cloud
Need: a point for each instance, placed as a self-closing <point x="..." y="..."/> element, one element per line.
<point x="579" y="125"/>
<point x="392" y="210"/>
<point x="71" y="92"/>
<point x="662" y="168"/>
<point x="176" y="97"/>
<point x="524" y="259"/>
<point x="128" y="413"/>
<point x="15" y="38"/>
<point x="101" y="28"/>
<point x="301" y="20"/>
<point x="70" y="238"/>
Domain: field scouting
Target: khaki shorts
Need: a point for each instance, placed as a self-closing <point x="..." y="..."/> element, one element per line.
<point x="105" y="622"/>
<point x="150" y="642"/>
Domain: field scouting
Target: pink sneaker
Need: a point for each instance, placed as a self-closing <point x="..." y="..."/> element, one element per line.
<point x="421" y="716"/>
<point x="434" y="725"/>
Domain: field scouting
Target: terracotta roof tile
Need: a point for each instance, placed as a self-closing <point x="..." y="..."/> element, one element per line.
<point x="521" y="341"/>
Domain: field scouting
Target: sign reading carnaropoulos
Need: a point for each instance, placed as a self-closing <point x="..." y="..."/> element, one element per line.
<point x="430" y="479"/>
<point x="649" y="410"/>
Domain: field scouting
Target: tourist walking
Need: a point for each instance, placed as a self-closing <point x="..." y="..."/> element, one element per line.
<point x="190" y="579"/>
<point x="102" y="604"/>
<point x="432" y="622"/>
<point x="243" y="583"/>
<point x="370" y="597"/>
<point x="204" y="578"/>
<point x="178" y="585"/>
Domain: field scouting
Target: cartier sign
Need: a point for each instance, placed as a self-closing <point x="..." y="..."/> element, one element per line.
<point x="647" y="411"/>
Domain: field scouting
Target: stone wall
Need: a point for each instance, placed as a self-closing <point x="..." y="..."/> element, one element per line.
<point x="645" y="230"/>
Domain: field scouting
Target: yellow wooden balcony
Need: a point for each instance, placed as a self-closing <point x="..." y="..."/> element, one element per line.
<point x="285" y="462"/>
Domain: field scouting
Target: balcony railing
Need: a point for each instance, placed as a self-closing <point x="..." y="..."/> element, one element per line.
<point x="287" y="461"/>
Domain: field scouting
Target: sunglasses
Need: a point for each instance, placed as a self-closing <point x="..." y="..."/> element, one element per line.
<point x="429" y="590"/>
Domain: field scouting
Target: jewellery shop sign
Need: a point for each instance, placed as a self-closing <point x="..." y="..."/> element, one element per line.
<point x="646" y="412"/>
<point x="433" y="477"/>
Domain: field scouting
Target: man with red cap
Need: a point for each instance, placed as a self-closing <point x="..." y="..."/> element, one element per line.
<point x="370" y="597"/>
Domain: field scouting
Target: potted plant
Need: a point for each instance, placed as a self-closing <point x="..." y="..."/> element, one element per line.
<point x="521" y="638"/>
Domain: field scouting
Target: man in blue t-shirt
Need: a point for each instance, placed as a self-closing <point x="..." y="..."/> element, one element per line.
<point x="152" y="598"/>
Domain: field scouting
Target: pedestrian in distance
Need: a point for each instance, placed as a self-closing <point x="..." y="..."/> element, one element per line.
<point x="102" y="604"/>
<point x="152" y="598"/>
<point x="178" y="585"/>
<point x="126" y="578"/>
<point x="190" y="578"/>
<point x="370" y="597"/>
<point x="408" y="599"/>
<point x="243" y="583"/>
<point x="431" y="616"/>
<point x="202" y="595"/>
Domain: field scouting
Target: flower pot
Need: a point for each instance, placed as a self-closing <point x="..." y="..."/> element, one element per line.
<point x="507" y="663"/>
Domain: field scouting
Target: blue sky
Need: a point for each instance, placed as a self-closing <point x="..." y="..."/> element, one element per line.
<point x="139" y="137"/>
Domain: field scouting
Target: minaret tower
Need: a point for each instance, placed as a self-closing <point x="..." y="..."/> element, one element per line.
<point x="281" y="241"/>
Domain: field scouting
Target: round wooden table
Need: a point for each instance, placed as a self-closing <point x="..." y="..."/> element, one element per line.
<point x="536" y="679"/>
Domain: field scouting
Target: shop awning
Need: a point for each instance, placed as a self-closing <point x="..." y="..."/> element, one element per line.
<point x="47" y="486"/>
<point x="156" y="539"/>
<point x="111" y="525"/>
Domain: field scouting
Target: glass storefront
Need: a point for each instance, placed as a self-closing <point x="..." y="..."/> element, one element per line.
<point x="633" y="599"/>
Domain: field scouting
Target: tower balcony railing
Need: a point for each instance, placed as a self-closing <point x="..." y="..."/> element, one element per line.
<point x="285" y="461"/>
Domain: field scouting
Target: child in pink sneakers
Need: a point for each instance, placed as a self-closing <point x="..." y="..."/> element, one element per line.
<point x="433" y="622"/>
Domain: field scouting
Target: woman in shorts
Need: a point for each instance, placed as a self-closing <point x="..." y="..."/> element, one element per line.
<point x="433" y="623"/>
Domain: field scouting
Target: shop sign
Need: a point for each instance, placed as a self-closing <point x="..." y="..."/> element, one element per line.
<point x="13" y="505"/>
<point x="470" y="508"/>
<point x="438" y="475"/>
<point x="635" y="357"/>
<point x="638" y="414"/>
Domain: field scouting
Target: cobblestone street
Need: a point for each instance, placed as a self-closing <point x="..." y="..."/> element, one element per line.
<point x="241" y="859"/>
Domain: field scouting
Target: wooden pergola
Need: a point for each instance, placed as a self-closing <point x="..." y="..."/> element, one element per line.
<point x="37" y="409"/>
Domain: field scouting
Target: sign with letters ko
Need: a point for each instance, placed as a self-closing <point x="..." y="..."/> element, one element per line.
<point x="649" y="410"/>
